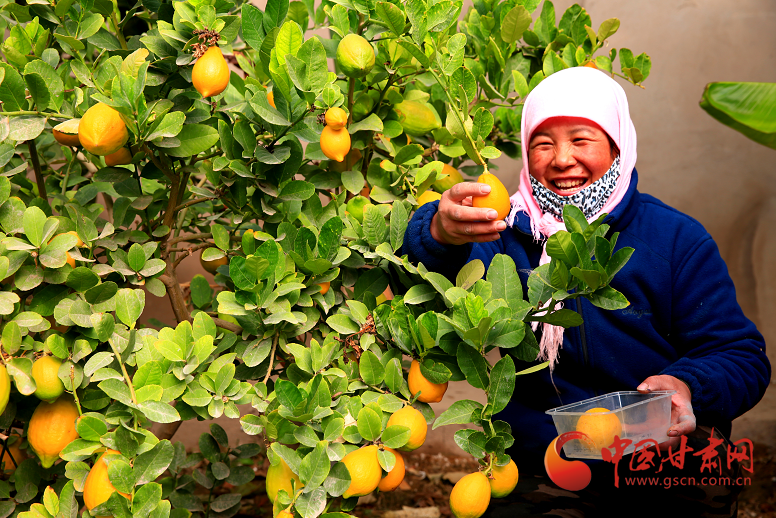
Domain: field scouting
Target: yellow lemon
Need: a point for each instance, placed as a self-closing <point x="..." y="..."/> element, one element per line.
<point x="9" y="465"/>
<point x="470" y="496"/>
<point x="497" y="199"/>
<point x="355" y="56"/>
<point x="427" y="197"/>
<point x="70" y="260"/>
<point x="5" y="387"/>
<point x="271" y="98"/>
<point x="102" y="131"/>
<point x="504" y="480"/>
<point x="45" y="373"/>
<point x="285" y="513"/>
<point x="601" y="426"/>
<point x="324" y="287"/>
<point x="51" y="428"/>
<point x="97" y="487"/>
<point x="365" y="471"/>
<point x="351" y="159"/>
<point x="414" y="420"/>
<point x="429" y="392"/>
<point x="453" y="177"/>
<point x="336" y="118"/>
<point x="121" y="157"/>
<point x="210" y="74"/>
<point x="335" y="144"/>
<point x="66" y="133"/>
<point x="393" y="478"/>
<point x="279" y="476"/>
<point x="212" y="266"/>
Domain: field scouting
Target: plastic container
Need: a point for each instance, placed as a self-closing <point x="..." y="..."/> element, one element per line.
<point x="641" y="416"/>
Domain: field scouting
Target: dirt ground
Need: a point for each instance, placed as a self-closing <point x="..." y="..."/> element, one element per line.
<point x="430" y="478"/>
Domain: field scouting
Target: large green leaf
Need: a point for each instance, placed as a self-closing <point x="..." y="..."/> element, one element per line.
<point x="746" y="107"/>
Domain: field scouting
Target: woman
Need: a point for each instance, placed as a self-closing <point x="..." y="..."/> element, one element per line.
<point x="683" y="330"/>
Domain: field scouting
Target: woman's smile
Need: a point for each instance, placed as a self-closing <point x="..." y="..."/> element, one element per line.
<point x="568" y="186"/>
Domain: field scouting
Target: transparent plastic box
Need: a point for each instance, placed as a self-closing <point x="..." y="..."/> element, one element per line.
<point x="641" y="416"/>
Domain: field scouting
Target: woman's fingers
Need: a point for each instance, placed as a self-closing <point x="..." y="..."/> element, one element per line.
<point x="460" y="191"/>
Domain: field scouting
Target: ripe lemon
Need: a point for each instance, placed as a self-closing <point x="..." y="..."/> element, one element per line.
<point x="97" y="488"/>
<point x="355" y="56"/>
<point x="210" y="74"/>
<point x="45" y="373"/>
<point x="121" y="157"/>
<point x="66" y="133"/>
<point x="102" y="131"/>
<point x="601" y="426"/>
<point x="5" y="387"/>
<point x="470" y="496"/>
<point x="429" y="392"/>
<point x="414" y="420"/>
<point x="70" y="260"/>
<point x="453" y="177"/>
<point x="51" y="428"/>
<point x="271" y="98"/>
<point x="324" y="287"/>
<point x="497" y="199"/>
<point x="279" y="476"/>
<point x="427" y="197"/>
<point x="336" y="118"/>
<point x="12" y="451"/>
<point x="394" y="477"/>
<point x="212" y="266"/>
<point x="335" y="144"/>
<point x="504" y="480"/>
<point x="285" y="514"/>
<point x="365" y="471"/>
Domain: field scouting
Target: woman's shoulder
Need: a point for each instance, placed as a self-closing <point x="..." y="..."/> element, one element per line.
<point x="663" y="218"/>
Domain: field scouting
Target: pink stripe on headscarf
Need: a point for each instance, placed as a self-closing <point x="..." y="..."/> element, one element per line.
<point x="575" y="92"/>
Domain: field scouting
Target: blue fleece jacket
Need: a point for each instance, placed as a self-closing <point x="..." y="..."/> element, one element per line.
<point x="683" y="320"/>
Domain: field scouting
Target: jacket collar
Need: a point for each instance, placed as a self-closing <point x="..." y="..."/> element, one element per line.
<point x="618" y="219"/>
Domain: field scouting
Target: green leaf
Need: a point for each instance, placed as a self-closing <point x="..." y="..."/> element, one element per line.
<point x="505" y="282"/>
<point x="314" y="468"/>
<point x="151" y="464"/>
<point x="296" y="190"/>
<point x="288" y="394"/>
<point x="392" y="16"/>
<point x="419" y="294"/>
<point x="159" y="412"/>
<point x="608" y="28"/>
<point x="129" y="305"/>
<point x="220" y="237"/>
<point x="38" y="90"/>
<point x="201" y="292"/>
<point x="473" y="366"/>
<point x="517" y="20"/>
<point x="618" y="260"/>
<point x="396" y="436"/>
<point x="12" y="89"/>
<point x="369" y="424"/>
<point x="194" y="139"/>
<point x="608" y="298"/>
<point x="370" y="369"/>
<point x="559" y="246"/>
<point x="469" y="274"/>
<point x="342" y="324"/>
<point x="34" y="221"/>
<point x="749" y="108"/>
<point x="460" y="412"/>
<point x="252" y="26"/>
<point x="502" y="384"/>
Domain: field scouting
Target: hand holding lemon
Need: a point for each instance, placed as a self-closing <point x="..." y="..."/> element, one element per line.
<point x="471" y="212"/>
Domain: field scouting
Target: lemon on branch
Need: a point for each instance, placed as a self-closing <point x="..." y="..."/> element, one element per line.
<point x="393" y="478"/>
<point x="101" y="130"/>
<point x="210" y="74"/>
<point x="427" y="197"/>
<point x="51" y="428"/>
<point x="470" y="496"/>
<point x="279" y="476"/>
<point x="414" y="420"/>
<point x="504" y="479"/>
<point x="45" y="372"/>
<point x="5" y="387"/>
<point x="429" y="392"/>
<point x="97" y="487"/>
<point x="66" y="133"/>
<point x="453" y="177"/>
<point x="365" y="471"/>
<point x="355" y="56"/>
<point x="121" y="157"/>
<point x="335" y="143"/>
<point x="336" y="118"/>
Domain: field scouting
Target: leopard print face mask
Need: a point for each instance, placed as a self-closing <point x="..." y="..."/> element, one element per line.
<point x="589" y="200"/>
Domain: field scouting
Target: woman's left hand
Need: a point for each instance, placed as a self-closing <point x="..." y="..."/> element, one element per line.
<point x="682" y="416"/>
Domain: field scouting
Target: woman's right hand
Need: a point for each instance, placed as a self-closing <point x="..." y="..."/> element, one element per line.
<point x="457" y="222"/>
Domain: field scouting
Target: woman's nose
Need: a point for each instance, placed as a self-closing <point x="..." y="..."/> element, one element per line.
<point x="564" y="156"/>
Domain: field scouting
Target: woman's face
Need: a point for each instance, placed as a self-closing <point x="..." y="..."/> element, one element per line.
<point x="566" y="154"/>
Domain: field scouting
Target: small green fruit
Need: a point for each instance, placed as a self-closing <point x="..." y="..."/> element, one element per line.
<point x="356" y="206"/>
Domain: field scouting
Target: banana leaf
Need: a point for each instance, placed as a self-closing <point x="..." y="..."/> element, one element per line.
<point x="746" y="107"/>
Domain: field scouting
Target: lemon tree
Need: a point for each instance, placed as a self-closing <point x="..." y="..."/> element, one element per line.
<point x="132" y="137"/>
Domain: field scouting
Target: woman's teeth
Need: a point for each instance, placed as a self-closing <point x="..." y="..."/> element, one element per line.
<point x="567" y="185"/>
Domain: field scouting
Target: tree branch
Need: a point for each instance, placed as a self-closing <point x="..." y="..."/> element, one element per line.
<point x="38" y="172"/>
